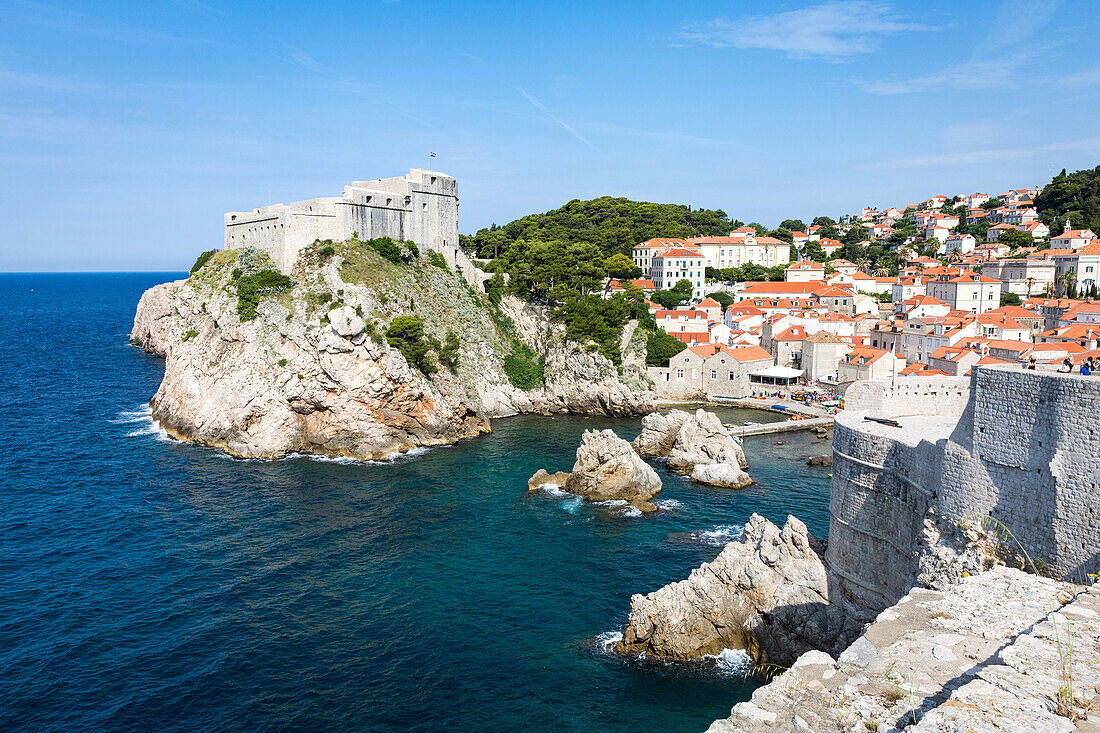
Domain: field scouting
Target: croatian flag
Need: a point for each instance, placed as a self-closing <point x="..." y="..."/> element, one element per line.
<point x="432" y="154"/>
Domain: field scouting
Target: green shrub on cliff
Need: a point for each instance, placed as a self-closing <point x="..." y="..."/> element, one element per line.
<point x="253" y="287"/>
<point x="448" y="352"/>
<point x="386" y="247"/>
<point x="593" y="319"/>
<point x="523" y="373"/>
<point x="436" y="259"/>
<point x="406" y="334"/>
<point x="202" y="260"/>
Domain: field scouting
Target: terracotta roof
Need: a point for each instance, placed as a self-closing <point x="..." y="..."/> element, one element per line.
<point x="749" y="353"/>
<point x="794" y="333"/>
<point x="708" y="302"/>
<point x="666" y="313"/>
<point x="805" y="265"/>
<point x="662" y="243"/>
<point x="678" y="253"/>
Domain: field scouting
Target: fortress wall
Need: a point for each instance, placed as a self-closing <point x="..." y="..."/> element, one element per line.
<point x="1024" y="449"/>
<point x="421" y="207"/>
<point x="903" y="396"/>
<point x="881" y="492"/>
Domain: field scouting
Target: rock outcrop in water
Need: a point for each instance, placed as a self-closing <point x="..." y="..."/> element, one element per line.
<point x="767" y="593"/>
<point x="607" y="469"/>
<point x="314" y="373"/>
<point x="698" y="445"/>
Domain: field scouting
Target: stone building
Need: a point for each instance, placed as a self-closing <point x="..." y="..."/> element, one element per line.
<point x="710" y="370"/>
<point x="421" y="207"/>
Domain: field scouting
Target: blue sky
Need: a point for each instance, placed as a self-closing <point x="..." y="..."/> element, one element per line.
<point x="128" y="128"/>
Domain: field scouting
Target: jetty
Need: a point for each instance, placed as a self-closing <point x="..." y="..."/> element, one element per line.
<point x="788" y="426"/>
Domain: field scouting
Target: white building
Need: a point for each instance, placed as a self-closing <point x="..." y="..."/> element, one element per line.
<point x="644" y="253"/>
<point x="967" y="292"/>
<point x="673" y="265"/>
<point x="804" y="271"/>
<point x="741" y="248"/>
<point x="1073" y="239"/>
<point x="1025" y="276"/>
<point x="961" y="243"/>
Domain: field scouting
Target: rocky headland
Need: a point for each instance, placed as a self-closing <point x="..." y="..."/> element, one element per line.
<point x="607" y="469"/>
<point x="306" y="367"/>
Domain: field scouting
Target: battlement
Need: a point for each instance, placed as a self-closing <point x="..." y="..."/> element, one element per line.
<point x="1020" y="446"/>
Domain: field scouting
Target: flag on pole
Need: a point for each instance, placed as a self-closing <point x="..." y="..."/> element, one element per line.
<point x="432" y="154"/>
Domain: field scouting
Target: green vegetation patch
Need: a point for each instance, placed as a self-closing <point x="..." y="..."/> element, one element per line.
<point x="437" y="260"/>
<point x="660" y="347"/>
<point x="591" y="319"/>
<point x="522" y="372"/>
<point x="1074" y="195"/>
<point x="202" y="260"/>
<point x="251" y="289"/>
<point x="406" y="334"/>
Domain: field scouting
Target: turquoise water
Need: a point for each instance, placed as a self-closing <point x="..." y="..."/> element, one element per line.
<point x="157" y="585"/>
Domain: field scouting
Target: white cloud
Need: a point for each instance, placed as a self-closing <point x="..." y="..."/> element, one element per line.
<point x="1090" y="145"/>
<point x="551" y="116"/>
<point x="832" y="30"/>
<point x="993" y="64"/>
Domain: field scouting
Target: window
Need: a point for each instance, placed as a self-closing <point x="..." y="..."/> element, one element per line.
<point x="731" y="376"/>
<point x="679" y="375"/>
<point x="714" y="374"/>
<point x="694" y="374"/>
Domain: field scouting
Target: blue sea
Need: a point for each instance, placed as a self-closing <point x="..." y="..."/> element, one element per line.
<point x="153" y="585"/>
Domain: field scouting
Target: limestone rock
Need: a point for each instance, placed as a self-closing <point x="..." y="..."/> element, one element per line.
<point x="702" y="440"/>
<point x="767" y="593"/>
<point x="729" y="475"/>
<point x="659" y="433"/>
<point x="823" y="460"/>
<point x="346" y="322"/>
<point x="542" y="478"/>
<point x="608" y="469"/>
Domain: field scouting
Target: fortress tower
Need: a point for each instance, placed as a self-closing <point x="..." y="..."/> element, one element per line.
<point x="421" y="207"/>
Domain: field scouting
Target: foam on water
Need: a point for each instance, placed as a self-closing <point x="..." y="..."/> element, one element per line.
<point x="132" y="416"/>
<point x="619" y="507"/>
<point x="142" y="417"/>
<point x="554" y="490"/>
<point x="721" y="535"/>
<point x="669" y="505"/>
<point x="606" y="641"/>
<point x="732" y="662"/>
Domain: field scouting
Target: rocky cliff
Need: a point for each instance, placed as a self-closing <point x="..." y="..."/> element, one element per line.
<point x="312" y="372"/>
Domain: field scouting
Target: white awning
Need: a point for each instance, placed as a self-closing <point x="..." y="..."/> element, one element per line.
<point x="778" y="372"/>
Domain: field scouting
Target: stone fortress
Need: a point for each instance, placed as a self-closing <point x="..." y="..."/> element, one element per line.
<point x="1022" y="447"/>
<point x="421" y="206"/>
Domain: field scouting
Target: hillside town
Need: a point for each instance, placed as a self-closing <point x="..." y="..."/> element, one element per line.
<point x="978" y="279"/>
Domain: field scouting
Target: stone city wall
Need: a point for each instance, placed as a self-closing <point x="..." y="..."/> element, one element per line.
<point x="1019" y="446"/>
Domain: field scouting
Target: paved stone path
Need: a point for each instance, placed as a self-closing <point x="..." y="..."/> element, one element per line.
<point x="989" y="654"/>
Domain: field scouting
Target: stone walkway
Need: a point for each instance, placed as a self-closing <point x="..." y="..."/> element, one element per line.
<point x="980" y="656"/>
